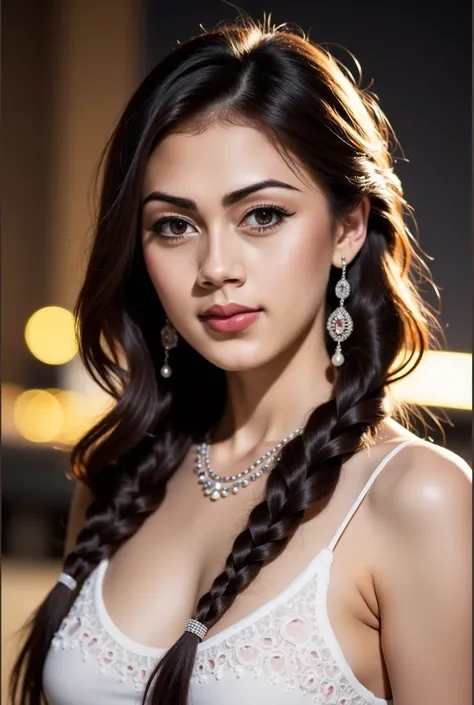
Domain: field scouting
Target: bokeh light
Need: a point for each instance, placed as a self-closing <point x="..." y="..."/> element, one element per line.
<point x="79" y="414"/>
<point x="38" y="415"/>
<point x="56" y="416"/>
<point x="50" y="335"/>
<point x="442" y="379"/>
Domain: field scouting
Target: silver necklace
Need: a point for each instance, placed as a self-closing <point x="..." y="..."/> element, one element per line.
<point x="217" y="486"/>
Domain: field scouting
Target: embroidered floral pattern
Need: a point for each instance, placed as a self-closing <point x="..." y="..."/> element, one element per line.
<point x="285" y="645"/>
<point x="81" y="629"/>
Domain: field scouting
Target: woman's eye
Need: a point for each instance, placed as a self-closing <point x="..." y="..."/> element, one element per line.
<point x="260" y="219"/>
<point x="171" y="228"/>
<point x="265" y="218"/>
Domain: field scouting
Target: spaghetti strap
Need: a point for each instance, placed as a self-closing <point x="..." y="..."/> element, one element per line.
<point x="365" y="489"/>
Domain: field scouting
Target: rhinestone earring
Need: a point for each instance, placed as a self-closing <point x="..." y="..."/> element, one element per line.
<point x="340" y="324"/>
<point x="169" y="340"/>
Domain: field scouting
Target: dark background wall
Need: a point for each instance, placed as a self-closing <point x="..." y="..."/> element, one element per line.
<point x="26" y="193"/>
<point x="418" y="55"/>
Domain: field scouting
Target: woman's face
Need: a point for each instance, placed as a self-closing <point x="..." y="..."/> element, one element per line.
<point x="214" y="233"/>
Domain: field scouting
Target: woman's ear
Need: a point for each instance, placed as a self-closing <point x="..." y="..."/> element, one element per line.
<point x="351" y="233"/>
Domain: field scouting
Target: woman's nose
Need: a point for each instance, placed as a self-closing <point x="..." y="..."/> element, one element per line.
<point x="220" y="265"/>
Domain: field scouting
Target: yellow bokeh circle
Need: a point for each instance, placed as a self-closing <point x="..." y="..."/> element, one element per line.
<point x="53" y="415"/>
<point x="38" y="415"/>
<point x="78" y="417"/>
<point x="50" y="335"/>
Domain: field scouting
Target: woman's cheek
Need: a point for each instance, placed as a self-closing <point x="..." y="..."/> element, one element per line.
<point x="303" y="267"/>
<point x="165" y="274"/>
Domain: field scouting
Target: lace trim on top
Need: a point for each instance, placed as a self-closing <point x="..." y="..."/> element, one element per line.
<point x="289" y="640"/>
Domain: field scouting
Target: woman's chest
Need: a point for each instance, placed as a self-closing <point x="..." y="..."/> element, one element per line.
<point x="153" y="584"/>
<point x="281" y="653"/>
<point x="277" y="632"/>
<point x="71" y="679"/>
<point x="189" y="543"/>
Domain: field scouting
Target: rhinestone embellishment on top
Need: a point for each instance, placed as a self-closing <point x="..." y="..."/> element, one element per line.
<point x="169" y="337"/>
<point x="217" y="486"/>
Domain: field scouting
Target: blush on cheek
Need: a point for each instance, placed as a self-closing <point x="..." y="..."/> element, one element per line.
<point x="303" y="260"/>
<point x="157" y="270"/>
<point x="169" y="282"/>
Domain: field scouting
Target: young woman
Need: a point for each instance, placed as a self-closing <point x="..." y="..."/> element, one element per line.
<point x="251" y="522"/>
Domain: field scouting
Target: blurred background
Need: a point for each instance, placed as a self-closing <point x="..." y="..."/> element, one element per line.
<point x="69" y="66"/>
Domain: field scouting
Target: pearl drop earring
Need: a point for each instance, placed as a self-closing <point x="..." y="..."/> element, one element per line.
<point x="340" y="324"/>
<point x="169" y="340"/>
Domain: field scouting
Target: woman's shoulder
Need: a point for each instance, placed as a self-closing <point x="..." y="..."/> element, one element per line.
<point x="424" y="485"/>
<point x="420" y="531"/>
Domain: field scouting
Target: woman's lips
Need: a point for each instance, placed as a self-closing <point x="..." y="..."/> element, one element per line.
<point x="231" y="324"/>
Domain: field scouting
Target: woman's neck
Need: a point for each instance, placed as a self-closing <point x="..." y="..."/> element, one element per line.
<point x="265" y="405"/>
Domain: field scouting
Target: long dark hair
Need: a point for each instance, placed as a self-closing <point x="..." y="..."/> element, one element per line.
<point x="311" y="108"/>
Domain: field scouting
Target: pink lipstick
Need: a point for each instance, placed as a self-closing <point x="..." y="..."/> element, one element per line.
<point x="231" y="318"/>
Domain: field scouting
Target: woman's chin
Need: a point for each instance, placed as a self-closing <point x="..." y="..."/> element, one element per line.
<point x="233" y="364"/>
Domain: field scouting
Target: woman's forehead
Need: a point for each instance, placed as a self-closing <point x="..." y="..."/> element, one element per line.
<point x="220" y="157"/>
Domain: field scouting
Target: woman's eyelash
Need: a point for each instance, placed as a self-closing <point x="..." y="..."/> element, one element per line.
<point x="168" y="219"/>
<point x="280" y="211"/>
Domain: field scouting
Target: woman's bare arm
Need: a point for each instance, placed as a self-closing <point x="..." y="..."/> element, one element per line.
<point x="423" y="577"/>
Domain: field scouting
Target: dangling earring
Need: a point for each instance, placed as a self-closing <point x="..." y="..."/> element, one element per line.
<point x="340" y="324"/>
<point x="169" y="340"/>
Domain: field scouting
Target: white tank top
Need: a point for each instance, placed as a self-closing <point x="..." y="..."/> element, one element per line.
<point x="283" y="653"/>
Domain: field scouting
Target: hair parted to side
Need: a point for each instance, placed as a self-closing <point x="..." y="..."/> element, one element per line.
<point x="310" y="109"/>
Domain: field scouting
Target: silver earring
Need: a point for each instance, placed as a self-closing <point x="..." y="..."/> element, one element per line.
<point x="340" y="324"/>
<point x="169" y="340"/>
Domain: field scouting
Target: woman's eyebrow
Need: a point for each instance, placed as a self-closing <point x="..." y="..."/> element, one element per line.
<point x="228" y="200"/>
